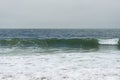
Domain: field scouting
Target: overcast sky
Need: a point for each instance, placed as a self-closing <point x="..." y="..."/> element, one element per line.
<point x="59" y="13"/>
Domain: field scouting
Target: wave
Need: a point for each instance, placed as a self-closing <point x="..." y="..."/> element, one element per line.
<point x="113" y="41"/>
<point x="54" y="42"/>
<point x="84" y="43"/>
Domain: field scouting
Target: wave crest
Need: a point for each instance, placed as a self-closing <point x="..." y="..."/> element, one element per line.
<point x="88" y="42"/>
<point x="113" y="41"/>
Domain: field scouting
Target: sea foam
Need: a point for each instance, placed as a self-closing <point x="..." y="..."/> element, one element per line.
<point x="63" y="66"/>
<point x="113" y="41"/>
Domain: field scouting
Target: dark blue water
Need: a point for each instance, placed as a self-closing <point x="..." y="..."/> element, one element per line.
<point x="59" y="33"/>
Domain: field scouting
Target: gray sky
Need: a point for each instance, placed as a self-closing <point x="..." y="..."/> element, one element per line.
<point x="59" y="13"/>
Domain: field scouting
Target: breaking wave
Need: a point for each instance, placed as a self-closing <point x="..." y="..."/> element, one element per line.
<point x="113" y="41"/>
<point x="50" y="42"/>
<point x="54" y="42"/>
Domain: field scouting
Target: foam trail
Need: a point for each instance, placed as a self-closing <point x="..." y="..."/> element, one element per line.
<point x="108" y="41"/>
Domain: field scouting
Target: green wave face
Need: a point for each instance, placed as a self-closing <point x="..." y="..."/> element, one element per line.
<point x="82" y="43"/>
<point x="118" y="44"/>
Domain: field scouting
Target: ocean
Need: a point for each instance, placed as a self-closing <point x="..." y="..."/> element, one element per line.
<point x="59" y="54"/>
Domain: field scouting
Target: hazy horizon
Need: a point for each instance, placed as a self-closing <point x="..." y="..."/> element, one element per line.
<point x="60" y="14"/>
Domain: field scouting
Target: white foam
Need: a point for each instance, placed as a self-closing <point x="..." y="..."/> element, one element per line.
<point x="7" y="50"/>
<point x="64" y="66"/>
<point x="109" y="41"/>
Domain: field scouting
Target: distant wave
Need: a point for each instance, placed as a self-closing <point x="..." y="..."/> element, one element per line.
<point x="54" y="42"/>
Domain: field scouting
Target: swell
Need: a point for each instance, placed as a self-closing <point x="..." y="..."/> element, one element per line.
<point x="83" y="43"/>
<point x="54" y="42"/>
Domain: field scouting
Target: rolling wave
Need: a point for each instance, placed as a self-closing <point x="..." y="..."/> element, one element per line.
<point x="50" y="42"/>
<point x="54" y="42"/>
